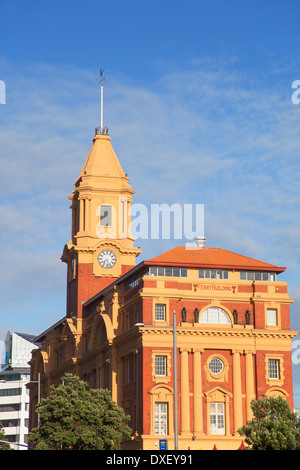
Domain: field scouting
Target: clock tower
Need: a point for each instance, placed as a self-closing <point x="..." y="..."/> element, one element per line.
<point x="101" y="247"/>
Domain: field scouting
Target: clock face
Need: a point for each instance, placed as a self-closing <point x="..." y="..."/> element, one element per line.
<point x="107" y="259"/>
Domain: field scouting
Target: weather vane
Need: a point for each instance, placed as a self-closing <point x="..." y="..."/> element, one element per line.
<point x="100" y="80"/>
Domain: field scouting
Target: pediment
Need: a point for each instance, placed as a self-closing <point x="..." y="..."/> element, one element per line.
<point x="217" y="394"/>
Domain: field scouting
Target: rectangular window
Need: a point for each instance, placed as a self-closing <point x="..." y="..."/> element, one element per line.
<point x="271" y="316"/>
<point x="223" y="274"/>
<point x="170" y="272"/>
<point x="10" y="423"/>
<point x="161" y="418"/>
<point x="161" y="365"/>
<point x="12" y="438"/>
<point x="217" y="418"/>
<point x="212" y="274"/>
<point x="176" y="272"/>
<point x="257" y="276"/>
<point x="10" y="407"/>
<point x="6" y="392"/>
<point x="160" y="312"/>
<point x="105" y="215"/>
<point x="273" y="368"/>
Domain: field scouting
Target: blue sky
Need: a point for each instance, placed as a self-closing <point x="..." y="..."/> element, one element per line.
<point x="198" y="104"/>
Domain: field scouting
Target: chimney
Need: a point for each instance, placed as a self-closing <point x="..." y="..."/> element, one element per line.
<point x="200" y="241"/>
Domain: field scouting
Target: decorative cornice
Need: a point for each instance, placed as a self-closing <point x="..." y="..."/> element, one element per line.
<point x="103" y="241"/>
<point x="245" y="333"/>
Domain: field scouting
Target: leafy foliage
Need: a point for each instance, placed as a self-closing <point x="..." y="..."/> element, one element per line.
<point x="274" y="426"/>
<point x="75" y="418"/>
<point x="3" y="445"/>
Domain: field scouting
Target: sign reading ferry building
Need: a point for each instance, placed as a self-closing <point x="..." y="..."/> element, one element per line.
<point x="233" y="323"/>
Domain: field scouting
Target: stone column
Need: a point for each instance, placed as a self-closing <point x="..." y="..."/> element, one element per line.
<point x="227" y="416"/>
<point x="184" y="392"/>
<point x="237" y="391"/>
<point x="88" y="215"/>
<point x="81" y="215"/>
<point x="120" y="365"/>
<point x="197" y="393"/>
<point x="250" y="393"/>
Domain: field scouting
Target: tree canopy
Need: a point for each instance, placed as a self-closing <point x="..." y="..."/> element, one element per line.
<point x="4" y="445"/>
<point x="274" y="426"/>
<point x="76" y="418"/>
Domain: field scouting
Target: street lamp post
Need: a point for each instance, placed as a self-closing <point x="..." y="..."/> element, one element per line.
<point x="175" y="380"/>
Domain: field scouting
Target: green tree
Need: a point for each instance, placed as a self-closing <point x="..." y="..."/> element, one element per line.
<point x="3" y="445"/>
<point x="274" y="426"/>
<point x="76" y="418"/>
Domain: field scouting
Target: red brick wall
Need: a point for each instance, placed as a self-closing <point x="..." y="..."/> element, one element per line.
<point x="190" y="307"/>
<point x="262" y="386"/>
<point x="259" y="315"/>
<point x="241" y="310"/>
<point x="147" y="311"/>
<point x="147" y="386"/>
<point x="285" y="316"/>
<point x="85" y="286"/>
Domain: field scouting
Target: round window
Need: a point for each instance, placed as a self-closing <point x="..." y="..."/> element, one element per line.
<point x="215" y="365"/>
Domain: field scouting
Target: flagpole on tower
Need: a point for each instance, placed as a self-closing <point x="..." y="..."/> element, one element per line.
<point x="100" y="80"/>
<point x="101" y="108"/>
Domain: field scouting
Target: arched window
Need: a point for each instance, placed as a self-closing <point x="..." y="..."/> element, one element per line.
<point x="215" y="315"/>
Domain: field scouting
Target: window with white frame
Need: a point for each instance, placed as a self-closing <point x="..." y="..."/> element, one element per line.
<point x="257" y="276"/>
<point x="167" y="271"/>
<point x="217" y="418"/>
<point x="160" y="312"/>
<point x="271" y="316"/>
<point x="105" y="215"/>
<point x="214" y="315"/>
<point x="273" y="365"/>
<point x="161" y="365"/>
<point x="161" y="418"/>
<point x="213" y="274"/>
<point x="215" y="365"/>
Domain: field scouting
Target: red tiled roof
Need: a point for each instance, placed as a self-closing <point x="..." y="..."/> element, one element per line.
<point x="206" y="257"/>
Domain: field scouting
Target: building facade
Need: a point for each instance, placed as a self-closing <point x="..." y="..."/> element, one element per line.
<point x="233" y="337"/>
<point x="14" y="396"/>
